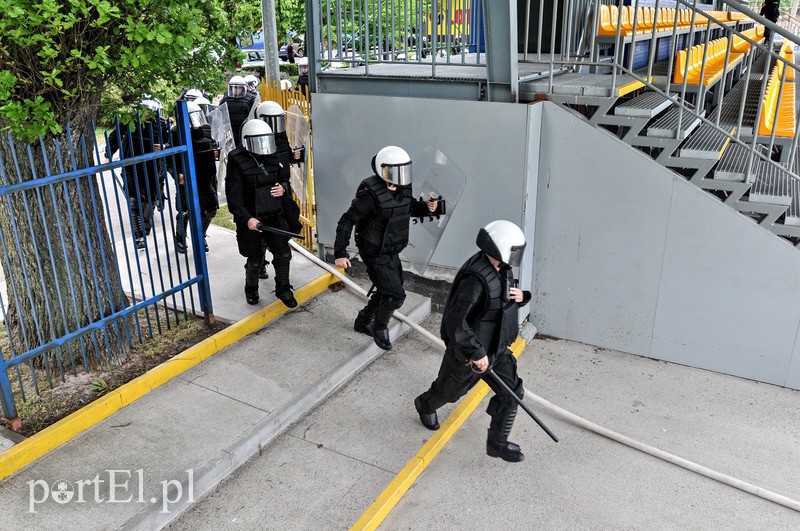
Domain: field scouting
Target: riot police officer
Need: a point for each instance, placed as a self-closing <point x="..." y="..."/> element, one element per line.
<point x="380" y="212"/>
<point x="240" y="103"/>
<point x="205" y="166"/>
<point x="478" y="325"/>
<point x="258" y="196"/>
<point x="273" y="114"/>
<point x="142" y="180"/>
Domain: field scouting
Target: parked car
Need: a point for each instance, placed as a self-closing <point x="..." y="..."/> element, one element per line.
<point x="254" y="60"/>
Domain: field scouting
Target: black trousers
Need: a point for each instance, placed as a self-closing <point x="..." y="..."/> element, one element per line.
<point x="386" y="274"/>
<point x="455" y="379"/>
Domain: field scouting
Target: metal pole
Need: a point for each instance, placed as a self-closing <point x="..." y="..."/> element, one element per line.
<point x="271" y="70"/>
<point x="361" y="291"/>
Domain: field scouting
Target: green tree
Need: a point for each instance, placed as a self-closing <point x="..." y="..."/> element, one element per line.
<point x="58" y="59"/>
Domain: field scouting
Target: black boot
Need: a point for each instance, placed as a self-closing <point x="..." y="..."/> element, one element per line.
<point x="362" y="322"/>
<point x="283" y="290"/>
<point x="380" y="326"/>
<point x="497" y="443"/>
<point x="136" y="223"/>
<point x="366" y="315"/>
<point x="206" y="222"/>
<point x="181" y="224"/>
<point x="429" y="420"/>
<point x="251" y="282"/>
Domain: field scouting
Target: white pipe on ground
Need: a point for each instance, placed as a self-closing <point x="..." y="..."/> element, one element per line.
<point x="580" y="421"/>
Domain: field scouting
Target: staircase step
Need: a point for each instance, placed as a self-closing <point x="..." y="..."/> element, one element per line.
<point x="733" y="164"/>
<point x="667" y="125"/>
<point x="772" y="185"/>
<point x="793" y="214"/>
<point x="647" y="105"/>
<point x="706" y="142"/>
<point x="585" y="84"/>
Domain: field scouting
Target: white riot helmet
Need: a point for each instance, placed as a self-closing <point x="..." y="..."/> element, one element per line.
<point x="237" y="87"/>
<point x="503" y="241"/>
<point x="302" y="65"/>
<point x="286" y="84"/>
<point x="257" y="137"/>
<point x="393" y="165"/>
<point x="197" y="118"/>
<point x="272" y="113"/>
<point x="152" y="104"/>
<point x="204" y="104"/>
<point x="252" y="81"/>
<point x="192" y="94"/>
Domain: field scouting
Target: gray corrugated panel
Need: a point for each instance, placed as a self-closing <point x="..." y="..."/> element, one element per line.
<point x="667" y="125"/>
<point x="706" y="142"/>
<point x="793" y="214"/>
<point x="646" y="105"/>
<point x="733" y="164"/>
<point x="772" y="185"/>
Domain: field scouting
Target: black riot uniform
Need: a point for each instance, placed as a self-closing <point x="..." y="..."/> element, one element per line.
<point x="381" y="219"/>
<point x="143" y="181"/>
<point x="247" y="186"/>
<point x="239" y="109"/>
<point x="479" y="320"/>
<point x="205" y="167"/>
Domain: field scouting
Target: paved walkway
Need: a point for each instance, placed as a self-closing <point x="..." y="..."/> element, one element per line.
<point x="310" y="422"/>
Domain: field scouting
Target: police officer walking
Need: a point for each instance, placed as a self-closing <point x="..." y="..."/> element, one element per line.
<point x="205" y="167"/>
<point x="273" y="114"/>
<point x="142" y="180"/>
<point x="380" y="212"/>
<point x="240" y="104"/>
<point x="259" y="197"/>
<point x="478" y="325"/>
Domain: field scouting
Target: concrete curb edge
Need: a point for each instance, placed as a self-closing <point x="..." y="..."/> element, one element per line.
<point x="26" y="452"/>
<point x="251" y="443"/>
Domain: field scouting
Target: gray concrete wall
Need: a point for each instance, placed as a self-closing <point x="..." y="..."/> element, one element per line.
<point x="631" y="257"/>
<point x="495" y="145"/>
<point x="625" y="254"/>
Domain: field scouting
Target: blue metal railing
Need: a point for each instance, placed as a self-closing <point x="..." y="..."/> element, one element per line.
<point x="88" y="250"/>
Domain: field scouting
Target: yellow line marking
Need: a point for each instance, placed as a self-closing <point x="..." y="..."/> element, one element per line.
<point x="394" y="492"/>
<point x="22" y="454"/>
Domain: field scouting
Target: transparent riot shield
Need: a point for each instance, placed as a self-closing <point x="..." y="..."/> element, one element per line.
<point x="222" y="133"/>
<point x="297" y="130"/>
<point x="221" y="130"/>
<point x="435" y="176"/>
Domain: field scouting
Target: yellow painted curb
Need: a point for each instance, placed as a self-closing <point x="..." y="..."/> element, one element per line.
<point x="20" y="455"/>
<point x="395" y="491"/>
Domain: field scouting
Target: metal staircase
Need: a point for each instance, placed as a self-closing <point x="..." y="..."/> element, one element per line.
<point x="718" y="147"/>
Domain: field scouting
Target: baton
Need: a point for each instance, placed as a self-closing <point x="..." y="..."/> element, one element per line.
<point x="282" y="232"/>
<point x="519" y="401"/>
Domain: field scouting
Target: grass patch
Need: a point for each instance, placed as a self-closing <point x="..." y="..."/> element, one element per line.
<point x="82" y="387"/>
<point x="224" y="218"/>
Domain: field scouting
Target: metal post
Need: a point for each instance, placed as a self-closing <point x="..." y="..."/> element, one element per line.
<point x="198" y="246"/>
<point x="271" y="70"/>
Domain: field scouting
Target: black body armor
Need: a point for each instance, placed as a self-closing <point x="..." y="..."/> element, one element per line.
<point x="386" y="233"/>
<point x="497" y="322"/>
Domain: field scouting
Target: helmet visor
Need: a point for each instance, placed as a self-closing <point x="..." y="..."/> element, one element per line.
<point x="277" y="123"/>
<point x="197" y="119"/>
<point x="260" y="144"/>
<point x="237" y="90"/>
<point x="399" y="174"/>
<point x="515" y="255"/>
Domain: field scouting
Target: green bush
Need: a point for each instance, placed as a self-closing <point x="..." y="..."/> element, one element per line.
<point x="289" y="68"/>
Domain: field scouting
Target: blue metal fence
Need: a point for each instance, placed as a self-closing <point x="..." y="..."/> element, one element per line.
<point x="88" y="250"/>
